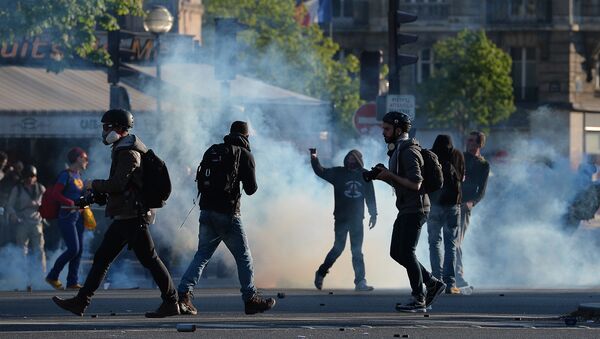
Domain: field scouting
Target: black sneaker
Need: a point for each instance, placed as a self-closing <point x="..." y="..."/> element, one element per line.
<point x="185" y="304"/>
<point x="166" y="309"/>
<point x="434" y="289"/>
<point x="74" y="305"/>
<point x="258" y="304"/>
<point x="414" y="305"/>
<point x="319" y="280"/>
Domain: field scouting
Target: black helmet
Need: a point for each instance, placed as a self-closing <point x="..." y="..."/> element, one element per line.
<point x="397" y="119"/>
<point x="29" y="171"/>
<point x="118" y="117"/>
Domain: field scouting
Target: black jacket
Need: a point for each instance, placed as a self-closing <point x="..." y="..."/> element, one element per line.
<point x="476" y="177"/>
<point x="350" y="189"/>
<point x="406" y="161"/>
<point x="453" y="167"/>
<point x="230" y="203"/>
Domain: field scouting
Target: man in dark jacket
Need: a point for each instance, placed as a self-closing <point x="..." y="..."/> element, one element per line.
<point x="220" y="221"/>
<point x="350" y="192"/>
<point x="477" y="170"/>
<point x="130" y="219"/>
<point x="405" y="176"/>
<point x="445" y="212"/>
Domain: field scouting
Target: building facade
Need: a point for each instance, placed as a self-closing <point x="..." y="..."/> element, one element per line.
<point x="554" y="46"/>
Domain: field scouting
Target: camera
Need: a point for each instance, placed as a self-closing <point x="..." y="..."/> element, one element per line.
<point x="373" y="173"/>
<point x="91" y="197"/>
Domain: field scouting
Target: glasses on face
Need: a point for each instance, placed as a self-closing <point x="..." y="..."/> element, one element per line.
<point x="107" y="127"/>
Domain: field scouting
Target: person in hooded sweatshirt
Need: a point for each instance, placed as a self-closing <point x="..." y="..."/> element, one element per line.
<point x="130" y="220"/>
<point x="350" y="193"/>
<point x="444" y="216"/>
<point x="220" y="221"/>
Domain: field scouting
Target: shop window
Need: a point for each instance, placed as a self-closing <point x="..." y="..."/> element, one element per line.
<point x="425" y="65"/>
<point x="524" y="73"/>
<point x="342" y="8"/>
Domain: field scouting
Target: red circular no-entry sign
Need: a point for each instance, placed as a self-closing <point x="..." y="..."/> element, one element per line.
<point x="365" y="118"/>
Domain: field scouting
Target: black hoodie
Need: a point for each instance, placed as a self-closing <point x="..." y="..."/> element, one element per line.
<point x="246" y="175"/>
<point x="350" y="189"/>
<point x="453" y="167"/>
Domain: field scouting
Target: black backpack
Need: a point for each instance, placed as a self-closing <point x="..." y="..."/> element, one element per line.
<point x="433" y="176"/>
<point x="156" y="186"/>
<point x="217" y="174"/>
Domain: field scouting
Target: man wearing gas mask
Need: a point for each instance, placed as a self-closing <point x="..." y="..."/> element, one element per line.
<point x="350" y="192"/>
<point x="130" y="218"/>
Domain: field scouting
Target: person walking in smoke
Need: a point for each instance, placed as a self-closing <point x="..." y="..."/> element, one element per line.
<point x="223" y="167"/>
<point x="405" y="176"/>
<point x="477" y="170"/>
<point x="67" y="190"/>
<point x="130" y="219"/>
<point x="350" y="193"/>
<point x="22" y="209"/>
<point x="445" y="212"/>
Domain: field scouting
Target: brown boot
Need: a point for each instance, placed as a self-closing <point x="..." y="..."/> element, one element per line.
<point x="74" y="305"/>
<point x="258" y="304"/>
<point x="185" y="304"/>
<point x="166" y="309"/>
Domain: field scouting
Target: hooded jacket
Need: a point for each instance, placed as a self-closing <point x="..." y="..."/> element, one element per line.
<point x="350" y="189"/>
<point x="406" y="161"/>
<point x="125" y="179"/>
<point x="230" y="204"/>
<point x="453" y="168"/>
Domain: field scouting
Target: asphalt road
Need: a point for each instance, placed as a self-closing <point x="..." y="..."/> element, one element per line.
<point x="304" y="314"/>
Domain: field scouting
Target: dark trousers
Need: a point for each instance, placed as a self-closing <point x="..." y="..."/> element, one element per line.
<point x="135" y="233"/>
<point x="342" y="229"/>
<point x="405" y="238"/>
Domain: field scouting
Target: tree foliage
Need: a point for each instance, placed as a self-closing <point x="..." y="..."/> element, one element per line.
<point x="471" y="86"/>
<point x="69" y="24"/>
<point x="280" y="51"/>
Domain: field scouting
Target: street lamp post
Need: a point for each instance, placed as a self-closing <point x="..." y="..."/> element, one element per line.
<point x="158" y="21"/>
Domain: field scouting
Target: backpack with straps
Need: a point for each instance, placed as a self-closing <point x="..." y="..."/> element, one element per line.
<point x="218" y="171"/>
<point x="50" y="207"/>
<point x="156" y="183"/>
<point x="433" y="176"/>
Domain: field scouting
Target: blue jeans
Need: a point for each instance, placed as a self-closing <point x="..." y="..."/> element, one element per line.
<point x="342" y="228"/>
<point x="70" y="224"/>
<point x="446" y="219"/>
<point x="214" y="228"/>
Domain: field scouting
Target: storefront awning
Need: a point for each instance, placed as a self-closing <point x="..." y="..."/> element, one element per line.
<point x="199" y="80"/>
<point x="37" y="103"/>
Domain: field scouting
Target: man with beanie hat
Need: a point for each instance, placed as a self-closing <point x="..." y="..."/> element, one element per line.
<point x="350" y="193"/>
<point x="223" y="167"/>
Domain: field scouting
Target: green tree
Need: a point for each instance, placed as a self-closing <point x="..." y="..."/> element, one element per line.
<point x="69" y="24"/>
<point x="471" y="87"/>
<point x="281" y="52"/>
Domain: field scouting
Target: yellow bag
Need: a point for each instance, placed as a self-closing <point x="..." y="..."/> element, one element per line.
<point x="89" y="222"/>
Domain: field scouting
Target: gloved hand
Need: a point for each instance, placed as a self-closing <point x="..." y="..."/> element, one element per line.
<point x="372" y="221"/>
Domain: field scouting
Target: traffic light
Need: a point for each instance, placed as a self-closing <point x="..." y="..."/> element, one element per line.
<point x="396" y="19"/>
<point x="405" y="38"/>
<point x="370" y="68"/>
